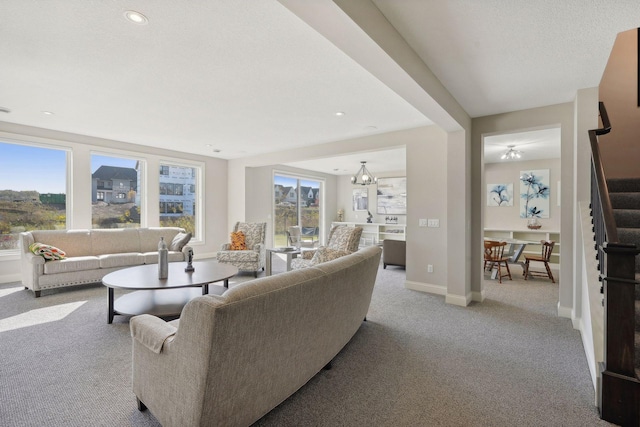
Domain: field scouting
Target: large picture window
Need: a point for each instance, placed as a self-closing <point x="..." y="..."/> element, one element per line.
<point x="297" y="201"/>
<point x="115" y="192"/>
<point x="33" y="192"/>
<point x="178" y="196"/>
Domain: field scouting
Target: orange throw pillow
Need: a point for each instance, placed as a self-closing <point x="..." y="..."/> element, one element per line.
<point x="237" y="241"/>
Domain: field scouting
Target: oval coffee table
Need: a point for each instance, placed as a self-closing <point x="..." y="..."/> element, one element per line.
<point x="164" y="297"/>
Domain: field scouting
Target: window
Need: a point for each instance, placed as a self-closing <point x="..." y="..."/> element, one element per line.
<point x="296" y="202"/>
<point x="177" y="206"/>
<point x="33" y="192"/>
<point x="117" y="204"/>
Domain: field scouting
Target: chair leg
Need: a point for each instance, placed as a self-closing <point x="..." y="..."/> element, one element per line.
<point x="499" y="273"/>
<point x="506" y="264"/>
<point x="546" y="265"/>
<point x="141" y="406"/>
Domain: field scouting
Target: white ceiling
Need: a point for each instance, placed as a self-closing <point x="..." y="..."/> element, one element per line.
<point x="248" y="78"/>
<point x="533" y="145"/>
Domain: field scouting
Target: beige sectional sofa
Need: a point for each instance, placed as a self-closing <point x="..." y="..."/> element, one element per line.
<point x="230" y="359"/>
<point x="91" y="254"/>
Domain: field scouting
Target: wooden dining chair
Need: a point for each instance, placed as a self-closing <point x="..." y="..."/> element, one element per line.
<point x="547" y="248"/>
<point x="494" y="257"/>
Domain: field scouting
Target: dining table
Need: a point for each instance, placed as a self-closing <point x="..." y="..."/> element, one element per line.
<point x="513" y="251"/>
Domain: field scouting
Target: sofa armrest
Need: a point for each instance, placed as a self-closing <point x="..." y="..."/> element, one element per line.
<point x="151" y="331"/>
<point x="258" y="247"/>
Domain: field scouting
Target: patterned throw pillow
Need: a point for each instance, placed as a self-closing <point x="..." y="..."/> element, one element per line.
<point x="47" y="252"/>
<point x="237" y="241"/>
<point x="324" y="254"/>
<point x="179" y="241"/>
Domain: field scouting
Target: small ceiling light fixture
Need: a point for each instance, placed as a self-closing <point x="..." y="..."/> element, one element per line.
<point x="364" y="176"/>
<point x="136" y="17"/>
<point x="511" y="153"/>
<point x="340" y="113"/>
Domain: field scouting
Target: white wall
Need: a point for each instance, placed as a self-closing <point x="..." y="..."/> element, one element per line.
<point x="79" y="199"/>
<point x="508" y="172"/>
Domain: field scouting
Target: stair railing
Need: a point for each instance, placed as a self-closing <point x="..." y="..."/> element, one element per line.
<point x="619" y="400"/>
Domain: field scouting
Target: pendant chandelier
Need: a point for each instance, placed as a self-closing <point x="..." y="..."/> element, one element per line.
<point x="363" y="176"/>
<point x="511" y="153"/>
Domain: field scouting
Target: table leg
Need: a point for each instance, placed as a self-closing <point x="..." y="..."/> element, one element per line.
<point x="226" y="283"/>
<point x="110" y="309"/>
<point x="289" y="257"/>
<point x="269" y="254"/>
<point x="205" y="289"/>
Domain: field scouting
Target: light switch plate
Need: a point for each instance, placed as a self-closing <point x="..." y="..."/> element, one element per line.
<point x="433" y="223"/>
<point x="422" y="222"/>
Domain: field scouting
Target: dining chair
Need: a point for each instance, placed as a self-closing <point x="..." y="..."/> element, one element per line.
<point x="494" y="257"/>
<point x="547" y="248"/>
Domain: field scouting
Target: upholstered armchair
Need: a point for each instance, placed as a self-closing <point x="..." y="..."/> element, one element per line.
<point x="342" y="241"/>
<point x="248" y="254"/>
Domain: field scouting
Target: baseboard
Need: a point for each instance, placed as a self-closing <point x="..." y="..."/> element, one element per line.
<point x="10" y="278"/>
<point x="425" y="287"/>
<point x="459" y="300"/>
<point x="566" y="312"/>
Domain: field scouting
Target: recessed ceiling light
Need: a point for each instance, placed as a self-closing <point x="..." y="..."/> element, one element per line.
<point x="136" y="17"/>
<point x="4" y="110"/>
<point x="216" y="150"/>
<point x="340" y="113"/>
<point x="47" y="113"/>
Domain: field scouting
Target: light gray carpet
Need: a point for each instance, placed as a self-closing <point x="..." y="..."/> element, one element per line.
<point x="416" y="362"/>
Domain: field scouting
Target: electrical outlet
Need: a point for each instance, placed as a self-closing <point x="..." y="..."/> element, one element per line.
<point x="433" y="223"/>
<point x="430" y="268"/>
<point x="422" y="222"/>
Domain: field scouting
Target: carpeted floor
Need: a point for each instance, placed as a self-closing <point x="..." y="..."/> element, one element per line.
<point x="416" y="362"/>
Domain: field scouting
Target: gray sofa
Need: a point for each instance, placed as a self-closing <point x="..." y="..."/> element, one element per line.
<point x="231" y="359"/>
<point x="91" y="254"/>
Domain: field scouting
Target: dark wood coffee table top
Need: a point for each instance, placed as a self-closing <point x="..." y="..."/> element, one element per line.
<point x="163" y="297"/>
<point x="146" y="276"/>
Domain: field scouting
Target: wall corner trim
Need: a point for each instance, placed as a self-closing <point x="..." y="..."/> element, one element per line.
<point x="566" y="312"/>
<point x="459" y="300"/>
<point x="478" y="296"/>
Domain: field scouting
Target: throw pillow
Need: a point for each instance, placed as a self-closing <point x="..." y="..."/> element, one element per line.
<point x="237" y="241"/>
<point x="324" y="254"/>
<point x="47" y="252"/>
<point x="179" y="241"/>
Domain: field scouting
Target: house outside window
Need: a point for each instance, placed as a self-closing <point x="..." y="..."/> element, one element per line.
<point x="296" y="202"/>
<point x="117" y="204"/>
<point x="178" y="185"/>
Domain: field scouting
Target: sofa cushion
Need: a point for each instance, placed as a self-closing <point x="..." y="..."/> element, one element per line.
<point x="152" y="257"/>
<point x="179" y="241"/>
<point x="73" y="242"/>
<point x="115" y="241"/>
<point x="238" y="256"/>
<point x="238" y="241"/>
<point x="324" y="254"/>
<point x="121" y="260"/>
<point x="149" y="237"/>
<point x="47" y="252"/>
<point x="67" y="265"/>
